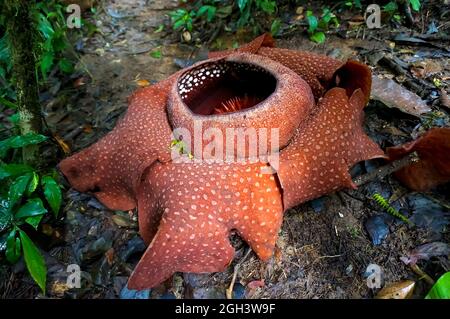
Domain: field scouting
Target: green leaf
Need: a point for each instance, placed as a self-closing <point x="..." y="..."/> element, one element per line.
<point x="275" y="27"/>
<point x="34" y="261"/>
<point x="19" y="141"/>
<point x="159" y="29"/>
<point x="267" y="6"/>
<point x="210" y="12"/>
<point x="242" y="4"/>
<point x="441" y="289"/>
<point x="52" y="193"/>
<point x="312" y="22"/>
<point x="34" y="221"/>
<point x="5" y="215"/>
<point x="7" y="103"/>
<point x="32" y="185"/>
<point x="391" y="7"/>
<point x="178" y="24"/>
<point x="13" y="247"/>
<point x="47" y="62"/>
<point x="45" y="27"/>
<point x="65" y="65"/>
<point x="14" y="119"/>
<point x="225" y="11"/>
<point x="318" y="37"/>
<point x="12" y="170"/>
<point x="33" y="207"/>
<point x="59" y="41"/>
<point x="415" y="4"/>
<point x="156" y="54"/>
<point x="3" y="239"/>
<point x="18" y="187"/>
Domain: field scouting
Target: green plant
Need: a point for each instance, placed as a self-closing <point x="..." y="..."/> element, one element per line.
<point x="441" y="289"/>
<point x="249" y="7"/>
<point x="233" y="14"/>
<point x="26" y="196"/>
<point x="389" y="209"/>
<point x="180" y="147"/>
<point x="354" y="231"/>
<point x="353" y="4"/>
<point x="51" y="44"/>
<point x="317" y="27"/>
<point x="182" y="19"/>
<point x="392" y="8"/>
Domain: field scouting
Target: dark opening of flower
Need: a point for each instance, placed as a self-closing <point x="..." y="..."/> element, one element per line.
<point x="225" y="87"/>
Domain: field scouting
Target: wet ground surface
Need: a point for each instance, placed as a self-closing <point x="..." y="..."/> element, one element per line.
<point x="324" y="246"/>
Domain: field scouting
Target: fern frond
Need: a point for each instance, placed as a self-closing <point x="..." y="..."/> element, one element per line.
<point x="389" y="209"/>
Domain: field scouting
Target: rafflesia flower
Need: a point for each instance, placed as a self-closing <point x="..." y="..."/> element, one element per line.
<point x="305" y="112"/>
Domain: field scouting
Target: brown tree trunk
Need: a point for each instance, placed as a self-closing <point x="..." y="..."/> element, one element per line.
<point x="21" y="33"/>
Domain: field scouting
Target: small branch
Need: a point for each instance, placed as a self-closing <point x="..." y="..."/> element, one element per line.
<point x="388" y="169"/>
<point x="423" y="275"/>
<point x="229" y="291"/>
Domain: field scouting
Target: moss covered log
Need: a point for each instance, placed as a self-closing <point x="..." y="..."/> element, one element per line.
<point x="21" y="33"/>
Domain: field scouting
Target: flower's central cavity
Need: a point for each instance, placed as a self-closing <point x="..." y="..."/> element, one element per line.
<point x="225" y="86"/>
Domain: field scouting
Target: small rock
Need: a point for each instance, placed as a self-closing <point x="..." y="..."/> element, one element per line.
<point x="118" y="283"/>
<point x="187" y="37"/>
<point x="349" y="270"/>
<point x="318" y="204"/>
<point x="238" y="291"/>
<point x="126" y="293"/>
<point x="428" y="214"/>
<point x="95" y="204"/>
<point x="96" y="248"/>
<point x="377" y="229"/>
<point x="209" y="293"/>
<point x="134" y="246"/>
<point x="168" y="295"/>
<point x="122" y="221"/>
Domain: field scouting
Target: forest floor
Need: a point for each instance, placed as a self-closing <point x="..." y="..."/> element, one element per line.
<point x="324" y="246"/>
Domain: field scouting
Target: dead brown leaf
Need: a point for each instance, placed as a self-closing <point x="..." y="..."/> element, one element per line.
<point x="64" y="146"/>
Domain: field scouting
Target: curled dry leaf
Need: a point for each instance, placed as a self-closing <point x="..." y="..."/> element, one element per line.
<point x="64" y="146"/>
<point x="396" y="96"/>
<point x="425" y="252"/>
<point x="397" y="290"/>
<point x="142" y="83"/>
<point x="445" y="99"/>
<point x="433" y="167"/>
<point x="426" y="68"/>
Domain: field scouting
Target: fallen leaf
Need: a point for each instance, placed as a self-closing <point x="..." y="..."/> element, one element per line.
<point x="59" y="288"/>
<point x="425" y="252"/>
<point x="255" y="284"/>
<point x="445" y="99"/>
<point x="87" y="128"/>
<point x="396" y="96"/>
<point x="397" y="290"/>
<point x="142" y="83"/>
<point x="432" y="168"/>
<point x="79" y="82"/>
<point x="122" y="221"/>
<point x="64" y="146"/>
<point x="110" y="256"/>
<point x="426" y="68"/>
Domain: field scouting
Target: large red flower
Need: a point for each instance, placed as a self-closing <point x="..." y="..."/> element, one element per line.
<point x="188" y="208"/>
